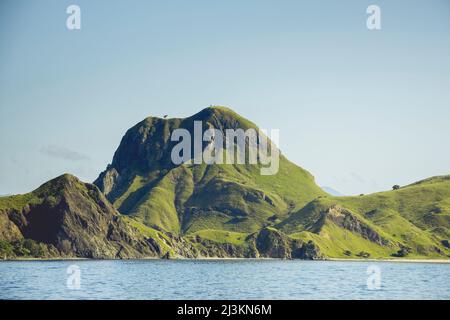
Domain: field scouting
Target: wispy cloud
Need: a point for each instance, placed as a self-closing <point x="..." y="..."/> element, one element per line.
<point x="63" y="153"/>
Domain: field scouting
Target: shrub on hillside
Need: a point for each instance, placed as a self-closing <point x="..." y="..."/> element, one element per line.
<point x="363" y="254"/>
<point x="6" y="250"/>
<point x="403" y="252"/>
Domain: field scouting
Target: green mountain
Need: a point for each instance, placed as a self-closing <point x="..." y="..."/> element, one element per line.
<point x="143" y="183"/>
<point x="144" y="205"/>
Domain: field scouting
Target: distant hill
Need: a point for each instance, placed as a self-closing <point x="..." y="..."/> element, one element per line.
<point x="144" y="205"/>
<point x="413" y="220"/>
<point x="332" y="191"/>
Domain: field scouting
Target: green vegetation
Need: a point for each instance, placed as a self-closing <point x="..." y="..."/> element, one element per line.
<point x="221" y="236"/>
<point x="334" y="242"/>
<point x="161" y="238"/>
<point x="6" y="250"/>
<point x="25" y="248"/>
<point x="18" y="201"/>
<point x="413" y="220"/>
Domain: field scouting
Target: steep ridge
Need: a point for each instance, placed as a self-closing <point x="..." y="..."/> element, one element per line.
<point x="65" y="217"/>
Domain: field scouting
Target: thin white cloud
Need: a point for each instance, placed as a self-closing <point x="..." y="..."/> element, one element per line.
<point x="63" y="153"/>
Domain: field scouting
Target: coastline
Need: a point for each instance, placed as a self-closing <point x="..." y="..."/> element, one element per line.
<point x="442" y="261"/>
<point x="435" y="261"/>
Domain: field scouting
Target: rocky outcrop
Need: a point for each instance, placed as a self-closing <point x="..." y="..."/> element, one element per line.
<point x="108" y="180"/>
<point x="211" y="249"/>
<point x="307" y="251"/>
<point x="8" y="230"/>
<point x="272" y="243"/>
<point x="180" y="247"/>
<point x="345" y="219"/>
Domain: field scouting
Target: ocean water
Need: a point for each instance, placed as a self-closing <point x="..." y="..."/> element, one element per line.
<point x="222" y="279"/>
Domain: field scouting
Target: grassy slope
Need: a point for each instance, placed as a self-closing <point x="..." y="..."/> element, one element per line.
<point x="158" y="236"/>
<point x="334" y="241"/>
<point x="18" y="201"/>
<point x="219" y="190"/>
<point x="416" y="216"/>
<point x="425" y="203"/>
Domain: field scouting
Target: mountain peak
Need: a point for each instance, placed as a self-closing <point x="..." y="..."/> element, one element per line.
<point x="204" y="114"/>
<point x="61" y="182"/>
<point x="143" y="181"/>
<point x="66" y="177"/>
<point x="218" y="110"/>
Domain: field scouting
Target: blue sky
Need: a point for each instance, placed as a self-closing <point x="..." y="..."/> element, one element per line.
<point x="361" y="110"/>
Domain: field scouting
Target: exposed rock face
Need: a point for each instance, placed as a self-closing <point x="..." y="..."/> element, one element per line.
<point x="345" y="219"/>
<point x="213" y="249"/>
<point x="8" y="230"/>
<point x="308" y="251"/>
<point x="145" y="148"/>
<point x="108" y="179"/>
<point x="271" y="243"/>
<point x="181" y="247"/>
